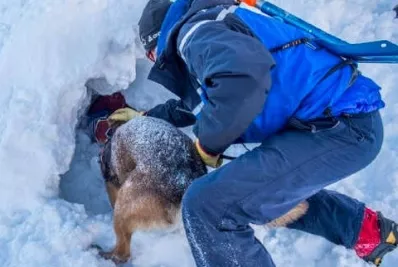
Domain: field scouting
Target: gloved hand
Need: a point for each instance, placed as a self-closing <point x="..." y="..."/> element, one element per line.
<point x="123" y="115"/>
<point x="213" y="161"/>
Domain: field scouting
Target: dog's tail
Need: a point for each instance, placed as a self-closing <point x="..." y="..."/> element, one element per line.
<point x="290" y="217"/>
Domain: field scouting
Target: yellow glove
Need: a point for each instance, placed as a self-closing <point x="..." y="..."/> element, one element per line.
<point x="209" y="160"/>
<point x="123" y="115"/>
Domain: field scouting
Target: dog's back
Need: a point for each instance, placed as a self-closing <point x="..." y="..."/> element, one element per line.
<point x="164" y="156"/>
<point x="153" y="163"/>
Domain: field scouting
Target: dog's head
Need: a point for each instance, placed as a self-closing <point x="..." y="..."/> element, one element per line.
<point x="108" y="173"/>
<point x="116" y="170"/>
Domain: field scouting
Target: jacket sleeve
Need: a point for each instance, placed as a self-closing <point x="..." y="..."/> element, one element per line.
<point x="235" y="69"/>
<point x="174" y="112"/>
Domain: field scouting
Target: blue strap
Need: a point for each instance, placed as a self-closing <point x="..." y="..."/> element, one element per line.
<point x="176" y="11"/>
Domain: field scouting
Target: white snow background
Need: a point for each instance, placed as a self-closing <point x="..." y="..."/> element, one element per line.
<point x="52" y="200"/>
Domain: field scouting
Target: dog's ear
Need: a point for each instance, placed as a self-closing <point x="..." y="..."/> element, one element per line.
<point x="105" y="163"/>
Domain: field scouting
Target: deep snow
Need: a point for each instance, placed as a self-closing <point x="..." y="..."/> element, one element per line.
<point x="50" y="48"/>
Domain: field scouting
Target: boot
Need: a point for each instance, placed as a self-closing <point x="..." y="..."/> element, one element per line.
<point x="377" y="237"/>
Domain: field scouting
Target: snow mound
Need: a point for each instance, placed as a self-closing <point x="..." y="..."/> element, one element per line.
<point x="48" y="51"/>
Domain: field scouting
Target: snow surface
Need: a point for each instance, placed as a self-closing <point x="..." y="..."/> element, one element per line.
<point x="52" y="201"/>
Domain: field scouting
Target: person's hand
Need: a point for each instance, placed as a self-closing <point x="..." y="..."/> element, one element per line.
<point x="213" y="161"/>
<point x="123" y="115"/>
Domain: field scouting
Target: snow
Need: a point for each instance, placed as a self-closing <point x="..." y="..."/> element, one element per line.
<point x="52" y="200"/>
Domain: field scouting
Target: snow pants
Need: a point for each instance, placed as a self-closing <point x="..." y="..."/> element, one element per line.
<point x="265" y="183"/>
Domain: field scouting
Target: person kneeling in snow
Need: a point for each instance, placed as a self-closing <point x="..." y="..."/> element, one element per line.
<point x="244" y="77"/>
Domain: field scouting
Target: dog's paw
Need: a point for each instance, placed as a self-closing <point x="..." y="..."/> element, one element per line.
<point x="95" y="247"/>
<point x="110" y="255"/>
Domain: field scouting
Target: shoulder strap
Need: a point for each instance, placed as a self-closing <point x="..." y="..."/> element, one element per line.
<point x="344" y="62"/>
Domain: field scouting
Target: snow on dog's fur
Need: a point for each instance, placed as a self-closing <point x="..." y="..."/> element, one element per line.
<point x="151" y="164"/>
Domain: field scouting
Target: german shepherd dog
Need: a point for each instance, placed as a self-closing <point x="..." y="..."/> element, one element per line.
<point x="147" y="165"/>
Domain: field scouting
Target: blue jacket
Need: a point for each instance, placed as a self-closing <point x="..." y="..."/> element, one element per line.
<point x="222" y="69"/>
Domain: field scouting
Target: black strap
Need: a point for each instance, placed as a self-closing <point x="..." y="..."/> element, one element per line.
<point x="227" y="157"/>
<point x="231" y="157"/>
<point x="340" y="65"/>
<point x="289" y="45"/>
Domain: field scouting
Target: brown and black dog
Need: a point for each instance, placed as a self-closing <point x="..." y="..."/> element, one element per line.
<point x="148" y="165"/>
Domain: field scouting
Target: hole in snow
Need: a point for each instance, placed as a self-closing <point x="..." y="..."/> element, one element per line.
<point x="83" y="182"/>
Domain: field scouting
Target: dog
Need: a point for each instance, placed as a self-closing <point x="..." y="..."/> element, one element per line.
<point x="147" y="165"/>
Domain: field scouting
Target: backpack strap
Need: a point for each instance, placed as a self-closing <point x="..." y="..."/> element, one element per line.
<point x="344" y="62"/>
<point x="289" y="45"/>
